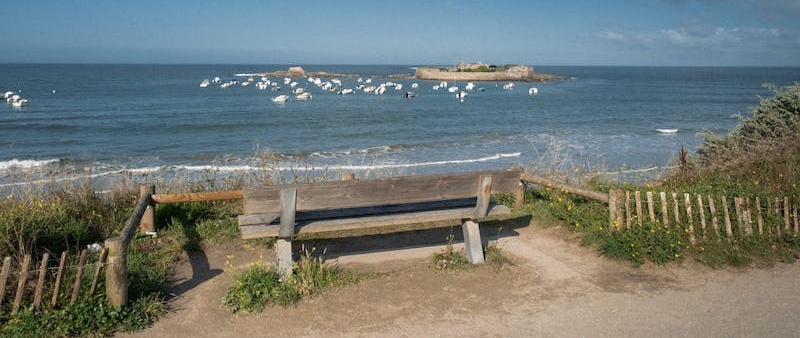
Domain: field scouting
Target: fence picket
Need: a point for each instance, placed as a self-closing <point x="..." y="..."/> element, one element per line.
<point x="748" y="217"/>
<point x="759" y="216"/>
<point x="728" y="227"/>
<point x="702" y="216"/>
<point x="100" y="262"/>
<point x="786" y="209"/>
<point x="638" y="197"/>
<point x="23" y="278"/>
<point x="689" y="218"/>
<point x="628" y="216"/>
<point x="59" y="278"/>
<point x="714" y="220"/>
<point x="650" y="207"/>
<point x="4" y="277"/>
<point x="664" y="208"/>
<point x="37" y="297"/>
<point x="78" y="276"/>
<point x="676" y="209"/>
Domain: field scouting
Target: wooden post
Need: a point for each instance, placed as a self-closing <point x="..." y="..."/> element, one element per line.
<point x="702" y="216"/>
<point x="59" y="278"/>
<point x="484" y="196"/>
<point x="472" y="241"/>
<point x="149" y="217"/>
<point x="689" y="218"/>
<point x="37" y="296"/>
<point x="117" y="271"/>
<point x="796" y="224"/>
<point x="664" y="208"/>
<point x="23" y="277"/>
<point x="286" y="232"/>
<point x="728" y="227"/>
<point x="4" y="277"/>
<point x="614" y="210"/>
<point x="714" y="220"/>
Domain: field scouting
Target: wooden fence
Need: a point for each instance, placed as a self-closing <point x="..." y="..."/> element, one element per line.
<point x="66" y="281"/>
<point x="705" y="217"/>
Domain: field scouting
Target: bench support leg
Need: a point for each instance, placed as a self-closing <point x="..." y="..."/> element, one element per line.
<point x="472" y="240"/>
<point x="284" y="254"/>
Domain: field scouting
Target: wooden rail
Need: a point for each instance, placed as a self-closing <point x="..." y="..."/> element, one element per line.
<point x="143" y="217"/>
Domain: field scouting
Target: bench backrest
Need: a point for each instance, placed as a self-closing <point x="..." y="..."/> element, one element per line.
<point x="380" y="192"/>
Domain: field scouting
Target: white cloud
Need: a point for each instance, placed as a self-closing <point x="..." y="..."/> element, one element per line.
<point x="706" y="37"/>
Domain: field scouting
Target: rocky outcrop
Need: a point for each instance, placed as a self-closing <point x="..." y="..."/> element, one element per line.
<point x="505" y="73"/>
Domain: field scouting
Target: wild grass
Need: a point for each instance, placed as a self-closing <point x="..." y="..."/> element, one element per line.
<point x="259" y="285"/>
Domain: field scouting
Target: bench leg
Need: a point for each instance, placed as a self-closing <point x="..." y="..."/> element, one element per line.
<point x="472" y="240"/>
<point x="285" y="263"/>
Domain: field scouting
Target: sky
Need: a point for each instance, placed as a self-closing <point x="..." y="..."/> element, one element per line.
<point x="408" y="32"/>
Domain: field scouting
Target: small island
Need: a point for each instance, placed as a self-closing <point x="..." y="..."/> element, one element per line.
<point x="479" y="71"/>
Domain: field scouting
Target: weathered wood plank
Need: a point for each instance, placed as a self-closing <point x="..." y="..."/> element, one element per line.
<point x="545" y="182"/>
<point x="101" y="261"/>
<point x="79" y="276"/>
<point x="484" y="195"/>
<point x="737" y="205"/>
<point x="759" y="216"/>
<point x="288" y="211"/>
<point x="4" y="277"/>
<point x="664" y="208"/>
<point x="702" y="211"/>
<point x="435" y="218"/>
<point x="689" y="218"/>
<point x="676" y="209"/>
<point x="207" y="196"/>
<point x="628" y="211"/>
<point x="651" y="207"/>
<point x="726" y="213"/>
<point x="637" y="195"/>
<point x="37" y="296"/>
<point x="714" y="219"/>
<point x="398" y="190"/>
<point x="59" y="279"/>
<point x="23" y="278"/>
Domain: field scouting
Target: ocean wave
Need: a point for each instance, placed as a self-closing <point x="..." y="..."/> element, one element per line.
<point x="404" y="165"/>
<point x="25" y="164"/>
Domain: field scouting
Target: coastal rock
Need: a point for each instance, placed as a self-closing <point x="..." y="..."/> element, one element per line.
<point x="483" y="72"/>
<point x="297" y="72"/>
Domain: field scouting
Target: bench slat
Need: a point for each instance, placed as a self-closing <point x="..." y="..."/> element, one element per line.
<point x="432" y="219"/>
<point x="390" y="191"/>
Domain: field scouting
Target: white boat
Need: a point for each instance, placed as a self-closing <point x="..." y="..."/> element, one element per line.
<point x="303" y="96"/>
<point x="452" y="89"/>
<point x="346" y="91"/>
<point x="280" y="98"/>
<point x="533" y="91"/>
<point x="205" y="83"/>
<point x="667" y="131"/>
<point x="508" y="86"/>
<point x="19" y="103"/>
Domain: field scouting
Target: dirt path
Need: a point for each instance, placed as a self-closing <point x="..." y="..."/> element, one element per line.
<point x="555" y="288"/>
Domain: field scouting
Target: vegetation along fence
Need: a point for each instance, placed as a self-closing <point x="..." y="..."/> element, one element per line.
<point x="700" y="216"/>
<point x="705" y="217"/>
<point x="56" y="281"/>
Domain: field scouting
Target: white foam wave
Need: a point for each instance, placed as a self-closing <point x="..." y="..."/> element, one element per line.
<point x="25" y="164"/>
<point x="405" y="165"/>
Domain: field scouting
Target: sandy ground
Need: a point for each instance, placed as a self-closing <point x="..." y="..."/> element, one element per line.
<point x="554" y="288"/>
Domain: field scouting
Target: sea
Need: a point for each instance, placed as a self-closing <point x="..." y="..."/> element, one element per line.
<point x="109" y="122"/>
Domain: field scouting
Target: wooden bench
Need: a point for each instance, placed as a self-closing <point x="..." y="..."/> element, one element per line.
<point x="386" y="205"/>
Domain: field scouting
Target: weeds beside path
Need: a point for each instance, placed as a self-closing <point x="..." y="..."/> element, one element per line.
<point x="555" y="288"/>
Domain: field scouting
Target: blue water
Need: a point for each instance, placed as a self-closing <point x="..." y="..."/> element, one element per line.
<point x="103" y="121"/>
